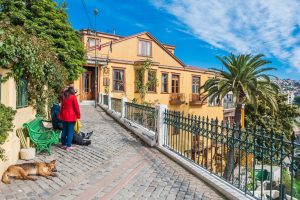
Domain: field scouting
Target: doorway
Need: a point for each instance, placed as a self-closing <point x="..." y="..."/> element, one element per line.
<point x="88" y="84"/>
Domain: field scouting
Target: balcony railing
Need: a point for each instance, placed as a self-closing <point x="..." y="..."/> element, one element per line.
<point x="116" y="104"/>
<point x="105" y="99"/>
<point x="197" y="99"/>
<point x="263" y="165"/>
<point x="177" y="98"/>
<point x="142" y="115"/>
<point x="228" y="105"/>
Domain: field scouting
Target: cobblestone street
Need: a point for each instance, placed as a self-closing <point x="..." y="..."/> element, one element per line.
<point x="116" y="166"/>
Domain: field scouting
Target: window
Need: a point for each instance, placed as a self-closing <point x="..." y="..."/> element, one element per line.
<point x="152" y="81"/>
<point x="175" y="84"/>
<point x="144" y="48"/>
<point x="164" y="83"/>
<point x="215" y="102"/>
<point x="196" y="85"/>
<point x="139" y="79"/>
<point x="91" y="42"/>
<point x="22" y="94"/>
<point x="118" y="84"/>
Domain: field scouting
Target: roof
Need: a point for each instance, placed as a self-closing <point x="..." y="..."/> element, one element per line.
<point x="152" y="37"/>
<point x="169" y="45"/>
<point x="196" y="68"/>
<point x="103" y="33"/>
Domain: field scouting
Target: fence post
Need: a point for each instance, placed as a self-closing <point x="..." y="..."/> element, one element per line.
<point x="123" y="109"/>
<point x="160" y="110"/>
<point x="100" y="98"/>
<point x="109" y="101"/>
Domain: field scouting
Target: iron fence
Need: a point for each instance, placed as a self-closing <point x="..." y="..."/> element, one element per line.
<point x="105" y="99"/>
<point x="142" y="115"/>
<point x="116" y="104"/>
<point x="263" y="165"/>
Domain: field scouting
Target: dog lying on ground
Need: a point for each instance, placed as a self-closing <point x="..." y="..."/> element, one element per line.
<point x="22" y="171"/>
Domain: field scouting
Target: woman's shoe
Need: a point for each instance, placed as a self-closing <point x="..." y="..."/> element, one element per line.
<point x="69" y="148"/>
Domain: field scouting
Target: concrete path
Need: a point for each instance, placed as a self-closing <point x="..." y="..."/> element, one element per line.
<point x="116" y="166"/>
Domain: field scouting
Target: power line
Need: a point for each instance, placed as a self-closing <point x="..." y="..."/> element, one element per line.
<point x="86" y="13"/>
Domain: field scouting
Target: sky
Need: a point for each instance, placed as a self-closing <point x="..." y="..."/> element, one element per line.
<point x="202" y="30"/>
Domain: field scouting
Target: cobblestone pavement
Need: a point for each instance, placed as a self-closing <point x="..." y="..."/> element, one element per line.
<point x="116" y="166"/>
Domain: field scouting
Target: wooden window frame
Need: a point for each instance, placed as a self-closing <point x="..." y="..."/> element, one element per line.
<point x="173" y="74"/>
<point x="138" y="48"/>
<point x="93" y="38"/>
<point x="22" y="102"/>
<point x="143" y="81"/>
<point x="113" y="80"/>
<point x="155" y="88"/>
<point x="162" y="86"/>
<point x="199" y="85"/>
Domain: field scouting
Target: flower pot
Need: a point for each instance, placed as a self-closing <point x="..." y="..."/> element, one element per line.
<point x="27" y="154"/>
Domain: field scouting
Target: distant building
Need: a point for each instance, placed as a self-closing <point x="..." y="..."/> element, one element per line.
<point x="290" y="96"/>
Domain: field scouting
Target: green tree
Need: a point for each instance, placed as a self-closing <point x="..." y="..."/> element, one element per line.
<point x="141" y="86"/>
<point x="244" y="77"/>
<point x="6" y="124"/>
<point x="33" y="59"/>
<point x="49" y="22"/>
<point x="281" y="121"/>
<point x="297" y="101"/>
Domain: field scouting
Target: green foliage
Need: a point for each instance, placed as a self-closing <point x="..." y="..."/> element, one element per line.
<point x="244" y="77"/>
<point x="140" y="85"/>
<point x="297" y="101"/>
<point x="6" y="124"/>
<point x="281" y="121"/>
<point x="34" y="60"/>
<point x="48" y="22"/>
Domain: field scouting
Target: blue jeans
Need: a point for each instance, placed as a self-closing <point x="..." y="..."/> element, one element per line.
<point x="67" y="133"/>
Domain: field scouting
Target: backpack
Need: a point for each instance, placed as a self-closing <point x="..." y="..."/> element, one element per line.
<point x="56" y="123"/>
<point x="82" y="138"/>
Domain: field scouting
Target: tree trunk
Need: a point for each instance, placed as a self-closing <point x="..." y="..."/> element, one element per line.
<point x="232" y="151"/>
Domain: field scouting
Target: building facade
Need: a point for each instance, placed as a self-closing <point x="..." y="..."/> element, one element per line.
<point x="115" y="73"/>
<point x="14" y="96"/>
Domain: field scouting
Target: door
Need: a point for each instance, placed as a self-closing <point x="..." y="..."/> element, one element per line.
<point x="87" y="86"/>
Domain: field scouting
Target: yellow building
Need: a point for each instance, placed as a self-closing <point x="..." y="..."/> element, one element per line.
<point x="18" y="101"/>
<point x="178" y="84"/>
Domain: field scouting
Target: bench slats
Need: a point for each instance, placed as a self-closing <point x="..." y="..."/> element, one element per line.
<point x="41" y="136"/>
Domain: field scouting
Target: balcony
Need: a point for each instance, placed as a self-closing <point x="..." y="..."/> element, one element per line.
<point x="102" y="59"/>
<point x="177" y="98"/>
<point x="197" y="100"/>
<point x="228" y="105"/>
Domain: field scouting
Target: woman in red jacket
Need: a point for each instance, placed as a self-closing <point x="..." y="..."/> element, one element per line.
<point x="69" y="113"/>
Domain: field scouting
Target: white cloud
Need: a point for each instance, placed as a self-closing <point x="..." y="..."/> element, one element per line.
<point x="253" y="26"/>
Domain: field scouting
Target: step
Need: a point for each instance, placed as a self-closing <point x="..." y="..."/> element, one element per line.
<point x="87" y="103"/>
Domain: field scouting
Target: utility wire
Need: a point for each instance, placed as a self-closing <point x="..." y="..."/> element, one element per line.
<point x="86" y="13"/>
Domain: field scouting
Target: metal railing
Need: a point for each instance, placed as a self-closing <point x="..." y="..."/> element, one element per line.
<point x="197" y="99"/>
<point x="177" y="98"/>
<point x="116" y="104"/>
<point x="263" y="165"/>
<point x="143" y="115"/>
<point x="228" y="105"/>
<point x="105" y="99"/>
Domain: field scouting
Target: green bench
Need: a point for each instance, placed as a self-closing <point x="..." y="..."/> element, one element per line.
<point x="41" y="136"/>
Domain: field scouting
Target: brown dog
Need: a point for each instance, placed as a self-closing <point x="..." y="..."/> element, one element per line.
<point x="22" y="171"/>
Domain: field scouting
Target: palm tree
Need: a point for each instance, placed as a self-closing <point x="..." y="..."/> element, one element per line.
<point x="244" y="77"/>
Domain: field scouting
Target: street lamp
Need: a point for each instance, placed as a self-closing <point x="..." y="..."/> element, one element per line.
<point x="96" y="12"/>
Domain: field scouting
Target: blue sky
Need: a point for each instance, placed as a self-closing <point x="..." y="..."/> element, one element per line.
<point x="203" y="29"/>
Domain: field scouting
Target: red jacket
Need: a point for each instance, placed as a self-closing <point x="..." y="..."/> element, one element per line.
<point x="69" y="111"/>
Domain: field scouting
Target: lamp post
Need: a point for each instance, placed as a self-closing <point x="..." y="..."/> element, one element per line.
<point x="96" y="12"/>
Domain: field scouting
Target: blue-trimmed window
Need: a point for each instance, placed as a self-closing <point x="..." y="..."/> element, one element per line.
<point x="22" y="94"/>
